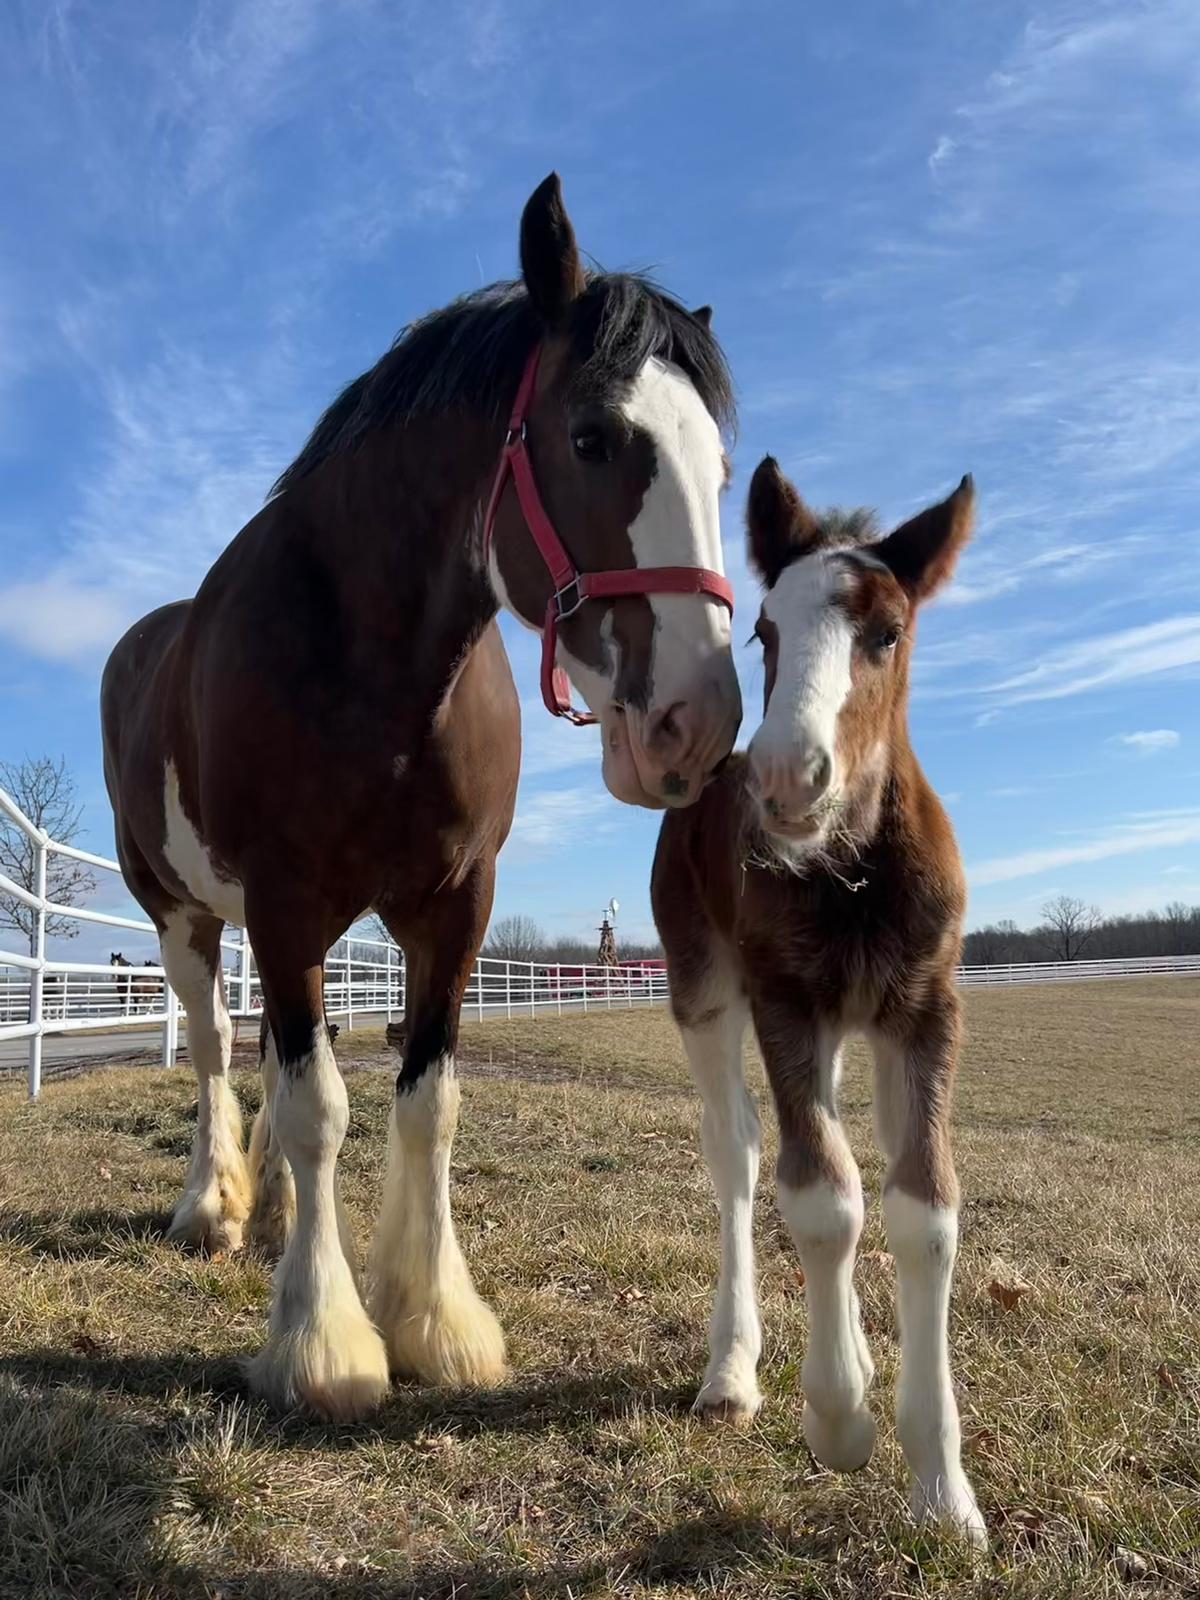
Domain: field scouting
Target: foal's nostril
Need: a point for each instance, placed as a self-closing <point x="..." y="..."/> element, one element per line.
<point x="667" y="733"/>
<point x="820" y="770"/>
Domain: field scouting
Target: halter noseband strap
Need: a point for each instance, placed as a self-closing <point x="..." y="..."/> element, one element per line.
<point x="572" y="587"/>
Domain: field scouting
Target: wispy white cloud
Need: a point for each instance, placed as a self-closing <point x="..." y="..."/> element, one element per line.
<point x="1157" y="649"/>
<point x="941" y="153"/>
<point x="1149" y="741"/>
<point x="548" y="821"/>
<point x="1127" y="838"/>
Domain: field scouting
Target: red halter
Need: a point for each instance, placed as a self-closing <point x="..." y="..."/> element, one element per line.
<point x="572" y="587"/>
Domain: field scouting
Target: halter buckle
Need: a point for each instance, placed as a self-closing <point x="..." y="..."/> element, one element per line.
<point x="561" y="610"/>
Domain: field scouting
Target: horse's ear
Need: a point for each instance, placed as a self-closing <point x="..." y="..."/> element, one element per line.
<point x="550" y="263"/>
<point x="703" y="315"/>
<point x="922" y="552"/>
<point x="778" y="523"/>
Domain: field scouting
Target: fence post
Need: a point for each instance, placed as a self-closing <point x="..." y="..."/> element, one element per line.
<point x="558" y="985"/>
<point x="170" y="1027"/>
<point x="244" y="974"/>
<point x="532" y="990"/>
<point x="508" y="988"/>
<point x="387" y="978"/>
<point x="349" y="991"/>
<point x="479" y="983"/>
<point x="37" y="977"/>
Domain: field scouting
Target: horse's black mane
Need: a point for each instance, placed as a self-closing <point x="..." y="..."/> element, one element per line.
<point x="469" y="356"/>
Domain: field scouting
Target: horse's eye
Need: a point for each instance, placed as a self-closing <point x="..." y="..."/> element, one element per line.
<point x="592" y="444"/>
<point x="888" y="639"/>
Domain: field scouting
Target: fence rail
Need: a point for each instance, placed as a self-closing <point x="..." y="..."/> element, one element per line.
<point x="364" y="978"/>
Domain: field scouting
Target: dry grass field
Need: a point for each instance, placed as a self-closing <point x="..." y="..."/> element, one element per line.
<point x="133" y="1463"/>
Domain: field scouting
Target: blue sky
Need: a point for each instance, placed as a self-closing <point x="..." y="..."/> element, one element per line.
<point x="940" y="236"/>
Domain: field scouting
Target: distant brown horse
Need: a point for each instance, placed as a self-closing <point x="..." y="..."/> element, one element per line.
<point x="131" y="988"/>
<point x="332" y="725"/>
<point x="817" y="890"/>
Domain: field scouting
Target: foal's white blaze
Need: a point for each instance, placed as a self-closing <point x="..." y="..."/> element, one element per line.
<point x="423" y="1300"/>
<point x="191" y="862"/>
<point x="321" y="1350"/>
<point x="924" y="1241"/>
<point x="813" y="677"/>
<point x="731" y="1139"/>
<point x="216" y="1192"/>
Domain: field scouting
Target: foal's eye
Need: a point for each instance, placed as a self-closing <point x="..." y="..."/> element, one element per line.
<point x="592" y="444"/>
<point x="888" y="639"/>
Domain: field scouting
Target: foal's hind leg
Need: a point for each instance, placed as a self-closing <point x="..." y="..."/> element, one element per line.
<point x="436" y="1326"/>
<point x="820" y="1197"/>
<point x="273" y="1210"/>
<point x="712" y="1021"/>
<point x="915" y="1064"/>
<point x="216" y="1194"/>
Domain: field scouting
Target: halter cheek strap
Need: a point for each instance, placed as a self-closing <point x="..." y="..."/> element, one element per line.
<point x="572" y="588"/>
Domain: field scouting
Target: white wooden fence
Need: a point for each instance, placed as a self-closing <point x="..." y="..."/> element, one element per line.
<point x="364" y="978"/>
<point x="41" y="996"/>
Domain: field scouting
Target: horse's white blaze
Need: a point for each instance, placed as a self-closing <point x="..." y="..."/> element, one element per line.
<point x="825" y="1223"/>
<point x="321" y="1350"/>
<point x="216" y="1191"/>
<point x="924" y="1241"/>
<point x="813" y="676"/>
<point x="423" y="1300"/>
<point x="679" y="523"/>
<point x="732" y="1139"/>
<point x="191" y="862"/>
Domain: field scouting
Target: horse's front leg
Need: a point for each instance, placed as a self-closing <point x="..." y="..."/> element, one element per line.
<point x="437" y="1327"/>
<point x="820" y="1198"/>
<point x="915" y="1065"/>
<point x="322" y="1351"/>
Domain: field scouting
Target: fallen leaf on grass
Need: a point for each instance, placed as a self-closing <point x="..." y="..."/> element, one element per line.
<point x="799" y="1276"/>
<point x="626" y="1297"/>
<point x="1130" y="1565"/>
<point x="1007" y="1286"/>
<point x="879" y="1258"/>
<point x="105" y="1171"/>
<point x="1167" y="1378"/>
<point x="86" y="1345"/>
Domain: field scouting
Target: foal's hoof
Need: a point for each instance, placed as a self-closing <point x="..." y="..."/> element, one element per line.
<point x="950" y="1502"/>
<point x="843" y="1443"/>
<point x="723" y="1404"/>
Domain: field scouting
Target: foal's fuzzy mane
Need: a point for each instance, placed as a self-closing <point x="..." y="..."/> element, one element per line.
<point x="469" y="355"/>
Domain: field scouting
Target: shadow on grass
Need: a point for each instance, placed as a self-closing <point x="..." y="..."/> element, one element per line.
<point x="87" y="1482"/>
<point x="535" y="1405"/>
<point x="82" y="1235"/>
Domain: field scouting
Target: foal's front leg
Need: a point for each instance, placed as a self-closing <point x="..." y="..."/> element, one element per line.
<point x="732" y="1139"/>
<point x="915" y="1065"/>
<point x="820" y="1198"/>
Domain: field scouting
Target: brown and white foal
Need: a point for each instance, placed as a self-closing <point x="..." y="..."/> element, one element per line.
<point x="816" y="889"/>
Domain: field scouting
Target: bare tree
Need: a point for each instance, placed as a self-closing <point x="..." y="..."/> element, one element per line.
<point x="991" y="946"/>
<point x="1070" y="927"/>
<point x="515" y="939"/>
<point x="45" y="791"/>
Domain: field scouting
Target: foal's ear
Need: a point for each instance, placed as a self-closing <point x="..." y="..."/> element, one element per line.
<point x="703" y="315"/>
<point x="923" y="551"/>
<point x="550" y="263"/>
<point x="778" y="523"/>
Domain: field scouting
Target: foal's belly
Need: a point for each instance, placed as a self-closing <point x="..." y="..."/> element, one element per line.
<point x="191" y="863"/>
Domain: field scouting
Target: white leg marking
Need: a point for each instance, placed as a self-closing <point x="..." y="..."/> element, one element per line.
<point x="732" y="1139"/>
<point x="216" y="1192"/>
<point x="321" y="1351"/>
<point x="924" y="1241"/>
<point x="825" y="1223"/>
<point x="273" y="1212"/>
<point x="436" y="1326"/>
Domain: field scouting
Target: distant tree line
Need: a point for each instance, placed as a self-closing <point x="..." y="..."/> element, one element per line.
<point x="1071" y="930"/>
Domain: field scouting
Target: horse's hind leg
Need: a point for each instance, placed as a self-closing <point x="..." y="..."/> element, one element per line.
<point x="273" y="1210"/>
<point x="426" y="1306"/>
<point x="216" y="1194"/>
